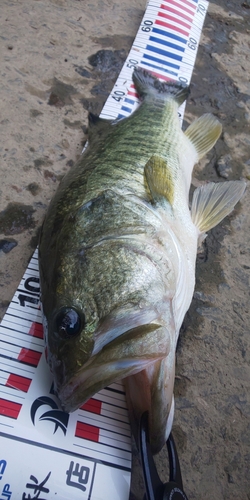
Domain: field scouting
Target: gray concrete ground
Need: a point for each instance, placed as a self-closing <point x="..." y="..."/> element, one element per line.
<point x="47" y="84"/>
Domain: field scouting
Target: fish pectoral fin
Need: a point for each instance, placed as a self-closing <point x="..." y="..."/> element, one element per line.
<point x="203" y="133"/>
<point x="214" y="201"/>
<point x="159" y="179"/>
<point x="97" y="126"/>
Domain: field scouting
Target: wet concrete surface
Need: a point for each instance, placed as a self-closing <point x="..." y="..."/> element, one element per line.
<point x="59" y="59"/>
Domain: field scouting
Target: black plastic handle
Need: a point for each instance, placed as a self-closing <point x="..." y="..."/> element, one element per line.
<point x="155" y="488"/>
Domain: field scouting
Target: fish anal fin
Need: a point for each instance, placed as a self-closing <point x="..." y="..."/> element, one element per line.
<point x="214" y="201"/>
<point x="159" y="179"/>
<point x="204" y="133"/>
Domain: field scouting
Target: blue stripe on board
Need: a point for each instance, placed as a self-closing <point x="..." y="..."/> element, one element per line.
<point x="169" y="35"/>
<point x="164" y="53"/>
<point x="160" y="68"/>
<point x="125" y="108"/>
<point x="161" y="61"/>
<point x="168" y="44"/>
<point x="129" y="101"/>
<point x="120" y="117"/>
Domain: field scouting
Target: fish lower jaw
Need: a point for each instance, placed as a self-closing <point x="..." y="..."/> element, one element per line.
<point x="72" y="396"/>
<point x="83" y="386"/>
<point x="68" y="407"/>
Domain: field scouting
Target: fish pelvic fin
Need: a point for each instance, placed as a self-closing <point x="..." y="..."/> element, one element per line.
<point x="159" y="179"/>
<point x="214" y="201"/>
<point x="152" y="390"/>
<point x="204" y="133"/>
<point x="147" y="84"/>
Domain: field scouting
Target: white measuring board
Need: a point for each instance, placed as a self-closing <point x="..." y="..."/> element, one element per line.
<point x="166" y="44"/>
<point x="45" y="452"/>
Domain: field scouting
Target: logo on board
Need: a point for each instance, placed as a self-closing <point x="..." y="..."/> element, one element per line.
<point x="59" y="417"/>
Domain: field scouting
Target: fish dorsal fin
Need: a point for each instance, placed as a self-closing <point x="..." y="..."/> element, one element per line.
<point x="97" y="126"/>
<point x="147" y="84"/>
<point x="214" y="201"/>
<point x="203" y="133"/>
<point x="159" y="179"/>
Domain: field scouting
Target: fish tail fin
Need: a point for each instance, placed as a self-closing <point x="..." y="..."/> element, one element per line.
<point x="147" y="84"/>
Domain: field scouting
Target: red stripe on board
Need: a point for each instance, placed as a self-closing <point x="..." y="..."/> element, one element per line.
<point x="177" y="12"/>
<point x="170" y="26"/>
<point x="134" y="94"/>
<point x="9" y="409"/>
<point x="86" y="431"/>
<point x="92" y="405"/>
<point x="36" y="330"/>
<point x="190" y="4"/>
<point x="178" y="21"/>
<point x="162" y="77"/>
<point x="30" y="357"/>
<point x="172" y="2"/>
<point x="18" y="382"/>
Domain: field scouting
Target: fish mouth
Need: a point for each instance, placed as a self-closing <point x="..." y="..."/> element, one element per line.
<point x="83" y="386"/>
<point x="117" y="360"/>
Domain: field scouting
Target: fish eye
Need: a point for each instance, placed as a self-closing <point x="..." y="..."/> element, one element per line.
<point x="68" y="322"/>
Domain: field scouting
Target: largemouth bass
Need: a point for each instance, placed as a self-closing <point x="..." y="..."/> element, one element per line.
<point x="117" y="254"/>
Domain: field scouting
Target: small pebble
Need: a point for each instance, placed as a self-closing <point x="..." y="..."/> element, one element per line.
<point x="223" y="166"/>
<point x="204" y="298"/>
<point x="240" y="104"/>
<point x="223" y="287"/>
<point x="227" y="139"/>
<point x="7" y="245"/>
